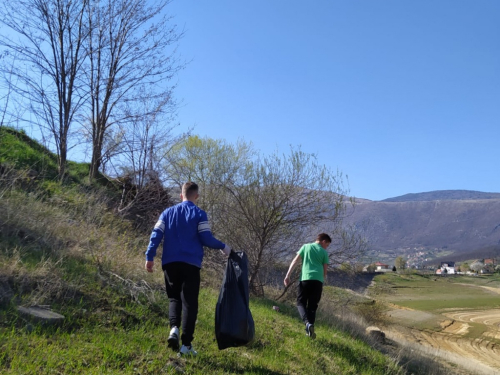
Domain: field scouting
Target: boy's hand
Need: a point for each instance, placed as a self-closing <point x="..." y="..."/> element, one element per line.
<point x="149" y="265"/>
<point x="286" y="281"/>
<point x="226" y="250"/>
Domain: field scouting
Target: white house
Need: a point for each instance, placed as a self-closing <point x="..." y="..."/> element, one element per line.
<point x="381" y="267"/>
<point x="447" y="268"/>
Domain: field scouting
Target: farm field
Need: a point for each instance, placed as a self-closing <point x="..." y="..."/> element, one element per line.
<point x="455" y="314"/>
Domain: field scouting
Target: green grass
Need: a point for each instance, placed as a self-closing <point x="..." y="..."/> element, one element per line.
<point x="24" y="153"/>
<point x="87" y="265"/>
<point x="20" y="152"/>
<point x="280" y="347"/>
<point x="476" y="330"/>
<point x="434" y="293"/>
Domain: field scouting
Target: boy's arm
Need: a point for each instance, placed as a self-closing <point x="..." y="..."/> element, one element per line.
<point x="154" y="242"/>
<point x="292" y="266"/>
<point x="207" y="238"/>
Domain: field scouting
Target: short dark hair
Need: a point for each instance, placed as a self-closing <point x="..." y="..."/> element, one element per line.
<point x="324" y="237"/>
<point x="189" y="189"/>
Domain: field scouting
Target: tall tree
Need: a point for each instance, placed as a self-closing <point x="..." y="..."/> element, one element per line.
<point x="400" y="263"/>
<point x="476" y="266"/>
<point x="131" y="54"/>
<point x="46" y="38"/>
<point x="211" y="163"/>
<point x="5" y="90"/>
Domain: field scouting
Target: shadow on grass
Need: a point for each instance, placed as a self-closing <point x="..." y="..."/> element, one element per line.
<point x="350" y="355"/>
<point x="284" y="308"/>
<point x="232" y="368"/>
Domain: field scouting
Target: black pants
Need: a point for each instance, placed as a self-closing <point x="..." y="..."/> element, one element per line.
<point x="308" y="297"/>
<point x="182" y="281"/>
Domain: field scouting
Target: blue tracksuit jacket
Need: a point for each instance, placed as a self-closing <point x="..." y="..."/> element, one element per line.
<point x="184" y="229"/>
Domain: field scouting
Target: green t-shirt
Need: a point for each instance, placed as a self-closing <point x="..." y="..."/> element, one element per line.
<point x="313" y="258"/>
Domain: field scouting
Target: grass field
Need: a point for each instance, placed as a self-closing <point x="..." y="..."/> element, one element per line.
<point x="435" y="293"/>
<point x="431" y="293"/>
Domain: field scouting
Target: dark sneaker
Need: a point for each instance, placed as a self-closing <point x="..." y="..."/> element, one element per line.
<point x="187" y="351"/>
<point x="173" y="338"/>
<point x="310" y="331"/>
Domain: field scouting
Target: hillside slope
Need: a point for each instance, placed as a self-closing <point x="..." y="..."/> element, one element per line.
<point x="444" y="195"/>
<point x="63" y="247"/>
<point x="461" y="222"/>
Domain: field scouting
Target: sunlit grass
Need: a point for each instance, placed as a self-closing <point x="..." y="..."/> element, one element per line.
<point x="61" y="245"/>
<point x="434" y="293"/>
<point x="280" y="347"/>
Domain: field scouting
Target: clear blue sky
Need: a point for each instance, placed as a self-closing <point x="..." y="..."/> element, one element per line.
<point x="402" y="96"/>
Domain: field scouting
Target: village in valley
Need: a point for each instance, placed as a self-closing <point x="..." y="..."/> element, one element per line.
<point x="478" y="266"/>
<point x="424" y="260"/>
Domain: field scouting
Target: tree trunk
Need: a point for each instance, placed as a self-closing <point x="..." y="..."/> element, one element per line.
<point x="95" y="163"/>
<point x="63" y="154"/>
<point x="97" y="144"/>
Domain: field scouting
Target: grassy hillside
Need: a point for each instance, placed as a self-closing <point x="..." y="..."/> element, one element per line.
<point x="62" y="246"/>
<point x="22" y="153"/>
<point x="114" y="346"/>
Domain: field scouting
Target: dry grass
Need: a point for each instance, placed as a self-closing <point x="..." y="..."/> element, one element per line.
<point x="47" y="241"/>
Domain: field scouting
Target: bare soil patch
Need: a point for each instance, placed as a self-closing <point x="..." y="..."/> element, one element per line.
<point x="469" y="356"/>
<point x="452" y="337"/>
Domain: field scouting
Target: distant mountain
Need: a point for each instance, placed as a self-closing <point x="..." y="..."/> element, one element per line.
<point x="444" y="195"/>
<point x="456" y="220"/>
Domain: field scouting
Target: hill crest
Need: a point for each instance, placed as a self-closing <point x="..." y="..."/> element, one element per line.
<point x="443" y="195"/>
<point x="454" y="221"/>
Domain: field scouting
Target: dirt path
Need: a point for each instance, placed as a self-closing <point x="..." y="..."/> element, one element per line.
<point x="489" y="318"/>
<point x="453" y="337"/>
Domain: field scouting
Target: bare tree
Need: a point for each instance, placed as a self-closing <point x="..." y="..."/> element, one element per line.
<point x="11" y="111"/>
<point x="131" y="61"/>
<point x="476" y="266"/>
<point x="5" y="89"/>
<point x="266" y="206"/>
<point x="140" y="156"/>
<point x="279" y="203"/>
<point x="46" y="37"/>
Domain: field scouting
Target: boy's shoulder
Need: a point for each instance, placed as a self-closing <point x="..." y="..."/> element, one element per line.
<point x="310" y="246"/>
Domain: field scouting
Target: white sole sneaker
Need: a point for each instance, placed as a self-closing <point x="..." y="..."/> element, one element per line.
<point x="310" y="331"/>
<point x="187" y="351"/>
<point x="173" y="338"/>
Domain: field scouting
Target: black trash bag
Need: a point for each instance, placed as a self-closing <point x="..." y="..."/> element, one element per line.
<point x="234" y="325"/>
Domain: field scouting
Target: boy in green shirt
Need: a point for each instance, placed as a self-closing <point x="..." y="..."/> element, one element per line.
<point x="314" y="267"/>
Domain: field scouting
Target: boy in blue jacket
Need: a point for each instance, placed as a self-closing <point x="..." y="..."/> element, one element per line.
<point x="184" y="229"/>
